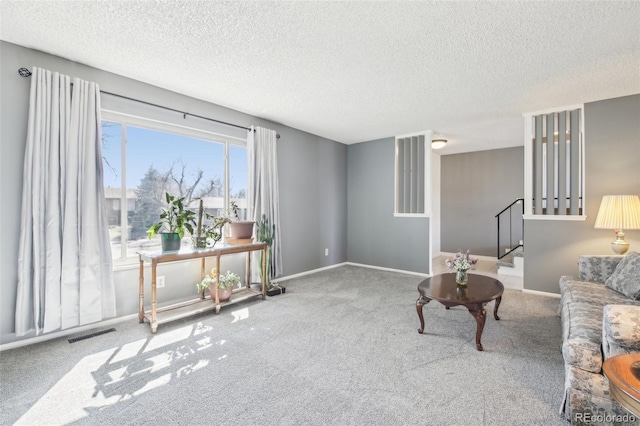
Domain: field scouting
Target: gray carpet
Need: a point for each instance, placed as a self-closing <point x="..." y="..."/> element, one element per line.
<point x="341" y="347"/>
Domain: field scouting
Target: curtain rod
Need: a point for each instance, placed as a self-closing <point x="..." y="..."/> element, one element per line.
<point x="24" y="72"/>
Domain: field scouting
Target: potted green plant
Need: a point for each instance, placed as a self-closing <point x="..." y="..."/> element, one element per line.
<point x="265" y="232"/>
<point x="175" y="219"/>
<point x="239" y="230"/>
<point x="207" y="235"/>
<point x="226" y="284"/>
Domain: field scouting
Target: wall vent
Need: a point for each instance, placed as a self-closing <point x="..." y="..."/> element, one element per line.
<point x="90" y="335"/>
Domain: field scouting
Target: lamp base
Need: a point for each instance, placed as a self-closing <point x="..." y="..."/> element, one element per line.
<point x="620" y="246"/>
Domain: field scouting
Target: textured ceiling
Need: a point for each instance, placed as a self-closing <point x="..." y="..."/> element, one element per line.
<point x="356" y="71"/>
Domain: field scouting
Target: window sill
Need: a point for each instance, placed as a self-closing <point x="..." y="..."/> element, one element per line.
<point x="125" y="264"/>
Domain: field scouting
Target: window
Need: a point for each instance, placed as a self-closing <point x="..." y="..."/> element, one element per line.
<point x="412" y="182"/>
<point x="143" y="159"/>
<point x="554" y="164"/>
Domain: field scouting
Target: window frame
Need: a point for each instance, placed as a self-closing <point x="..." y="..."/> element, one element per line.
<point x="125" y="120"/>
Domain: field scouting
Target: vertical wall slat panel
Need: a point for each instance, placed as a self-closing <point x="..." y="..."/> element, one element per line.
<point x="400" y="176"/>
<point x="420" y="174"/>
<point x="537" y="158"/>
<point x="575" y="162"/>
<point x="562" y="163"/>
<point x="414" y="174"/>
<point x="407" y="177"/>
<point x="550" y="166"/>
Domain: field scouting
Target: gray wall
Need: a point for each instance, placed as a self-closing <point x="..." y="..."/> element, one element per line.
<point x="312" y="173"/>
<point x="375" y="237"/>
<point x="475" y="186"/>
<point x="612" y="166"/>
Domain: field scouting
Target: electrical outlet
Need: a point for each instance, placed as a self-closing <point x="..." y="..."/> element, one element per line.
<point x="160" y="281"/>
<point x="521" y="242"/>
<point x="326" y="252"/>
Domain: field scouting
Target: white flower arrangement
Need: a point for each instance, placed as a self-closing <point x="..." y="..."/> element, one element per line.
<point x="226" y="280"/>
<point x="461" y="262"/>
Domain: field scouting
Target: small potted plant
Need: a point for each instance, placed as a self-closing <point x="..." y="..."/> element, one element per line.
<point x="239" y="230"/>
<point x="225" y="286"/>
<point x="207" y="235"/>
<point x="175" y="219"/>
<point x="265" y="232"/>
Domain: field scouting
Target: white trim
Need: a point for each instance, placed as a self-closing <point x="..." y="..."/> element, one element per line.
<point x="574" y="218"/>
<point x="541" y="293"/>
<point x="583" y="154"/>
<point x="62" y="333"/>
<point x="310" y="272"/>
<point x="528" y="165"/>
<point x="550" y="110"/>
<point x="479" y="257"/>
<point x="400" y="271"/>
<point x="151" y="124"/>
<point x="126" y="263"/>
<point x="337" y="265"/>
<point x="412" y="215"/>
<point x="124" y="202"/>
<point x="430" y="257"/>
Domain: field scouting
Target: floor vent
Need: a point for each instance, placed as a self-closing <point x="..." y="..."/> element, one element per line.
<point x="90" y="335"/>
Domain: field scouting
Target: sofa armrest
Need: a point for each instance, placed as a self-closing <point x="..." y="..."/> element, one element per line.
<point x="597" y="269"/>
<point x="620" y="330"/>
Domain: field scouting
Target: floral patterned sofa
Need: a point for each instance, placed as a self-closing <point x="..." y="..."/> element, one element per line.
<point x="600" y="313"/>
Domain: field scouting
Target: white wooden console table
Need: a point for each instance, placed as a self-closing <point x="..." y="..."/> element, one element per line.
<point x="176" y="311"/>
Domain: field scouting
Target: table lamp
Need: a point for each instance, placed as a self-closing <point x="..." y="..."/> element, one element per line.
<point x="619" y="212"/>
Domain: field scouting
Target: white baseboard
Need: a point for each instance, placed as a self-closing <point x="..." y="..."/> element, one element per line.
<point x="541" y="293"/>
<point x="337" y="265"/>
<point x="302" y="274"/>
<point x="401" y="271"/>
<point x="475" y="256"/>
<point x="62" y="333"/>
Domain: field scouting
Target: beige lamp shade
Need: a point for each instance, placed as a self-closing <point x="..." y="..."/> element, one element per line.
<point x="619" y="212"/>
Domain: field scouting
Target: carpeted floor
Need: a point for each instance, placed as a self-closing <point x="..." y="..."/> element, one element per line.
<point x="341" y="347"/>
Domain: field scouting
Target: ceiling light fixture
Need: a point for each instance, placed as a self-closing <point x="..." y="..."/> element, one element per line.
<point x="438" y="143"/>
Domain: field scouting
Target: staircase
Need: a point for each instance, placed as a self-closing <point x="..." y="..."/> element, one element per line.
<point x="512" y="264"/>
<point x="510" y="248"/>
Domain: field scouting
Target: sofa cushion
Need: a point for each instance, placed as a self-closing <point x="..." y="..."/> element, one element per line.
<point x="573" y="291"/>
<point x="597" y="269"/>
<point x="620" y="330"/>
<point x="626" y="277"/>
<point x="582" y="336"/>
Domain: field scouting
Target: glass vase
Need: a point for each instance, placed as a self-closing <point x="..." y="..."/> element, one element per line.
<point x="461" y="277"/>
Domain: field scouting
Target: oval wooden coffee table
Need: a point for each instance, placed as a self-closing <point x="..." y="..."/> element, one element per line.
<point x="623" y="372"/>
<point x="474" y="296"/>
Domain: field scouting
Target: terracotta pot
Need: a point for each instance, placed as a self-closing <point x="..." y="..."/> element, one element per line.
<point x="224" y="294"/>
<point x="241" y="230"/>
